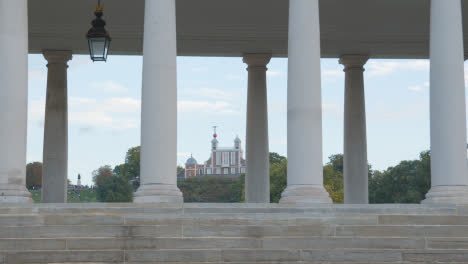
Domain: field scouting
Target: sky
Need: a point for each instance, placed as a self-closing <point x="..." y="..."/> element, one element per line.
<point x="104" y="108"/>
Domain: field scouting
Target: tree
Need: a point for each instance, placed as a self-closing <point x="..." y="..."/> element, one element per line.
<point x="333" y="178"/>
<point x="114" y="189"/>
<point x="33" y="175"/>
<point x="407" y="182"/>
<point x="332" y="175"/>
<point x="212" y="189"/>
<point x="102" y="173"/>
<point x="179" y="169"/>
<point x="131" y="168"/>
<point x="276" y="158"/>
<point x="278" y="176"/>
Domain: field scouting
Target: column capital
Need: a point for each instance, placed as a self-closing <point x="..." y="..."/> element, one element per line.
<point x="57" y="56"/>
<point x="257" y="59"/>
<point x="353" y="61"/>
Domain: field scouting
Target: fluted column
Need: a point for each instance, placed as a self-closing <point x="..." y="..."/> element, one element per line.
<point x="55" y="152"/>
<point x="257" y="178"/>
<point x="355" y="166"/>
<point x="305" y="166"/>
<point x="13" y="100"/>
<point x="449" y="169"/>
<point x="159" y="106"/>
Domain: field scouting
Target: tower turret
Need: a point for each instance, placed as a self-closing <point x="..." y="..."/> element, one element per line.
<point x="237" y="142"/>
<point x="214" y="141"/>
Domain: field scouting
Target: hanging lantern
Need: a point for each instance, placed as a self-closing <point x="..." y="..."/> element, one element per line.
<point x="98" y="38"/>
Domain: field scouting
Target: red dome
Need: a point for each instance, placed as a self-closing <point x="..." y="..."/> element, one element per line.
<point x="215" y="135"/>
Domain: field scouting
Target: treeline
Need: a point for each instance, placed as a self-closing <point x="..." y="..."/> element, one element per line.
<point x="407" y="182"/>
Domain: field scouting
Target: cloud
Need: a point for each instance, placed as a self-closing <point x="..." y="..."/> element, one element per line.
<point x="109" y="87"/>
<point x="418" y="88"/>
<point x="415" y="88"/>
<point x="466" y="76"/>
<point x="112" y="113"/>
<point x="411" y="111"/>
<point x="36" y="111"/>
<point x="207" y="93"/>
<point x="216" y="108"/>
<point x="382" y="68"/>
<point x="199" y="69"/>
<point x="234" y="77"/>
<point x="37" y="75"/>
<point x="122" y="105"/>
<point x="274" y="73"/>
<point x="332" y="73"/>
<point x="79" y="61"/>
<point x="333" y="110"/>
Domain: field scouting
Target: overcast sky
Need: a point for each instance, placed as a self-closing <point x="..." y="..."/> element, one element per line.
<point x="104" y="108"/>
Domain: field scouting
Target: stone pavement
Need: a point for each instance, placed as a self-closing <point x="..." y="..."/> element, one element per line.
<point x="233" y="233"/>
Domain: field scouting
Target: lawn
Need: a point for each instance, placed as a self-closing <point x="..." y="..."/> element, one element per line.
<point x="73" y="196"/>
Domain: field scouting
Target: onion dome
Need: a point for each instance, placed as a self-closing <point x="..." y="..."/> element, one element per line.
<point x="191" y="160"/>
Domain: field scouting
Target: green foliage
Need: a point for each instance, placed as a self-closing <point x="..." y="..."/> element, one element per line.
<point x="408" y="182"/>
<point x="333" y="178"/>
<point x="82" y="196"/>
<point x="278" y="181"/>
<point x="130" y="170"/>
<point x="73" y="196"/>
<point x="276" y="158"/>
<point x="212" y="189"/>
<point x="179" y="169"/>
<point x="102" y="173"/>
<point x="332" y="174"/>
<point x="114" y="189"/>
<point x="33" y="175"/>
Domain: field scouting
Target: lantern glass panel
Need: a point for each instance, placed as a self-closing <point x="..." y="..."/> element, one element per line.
<point x="98" y="48"/>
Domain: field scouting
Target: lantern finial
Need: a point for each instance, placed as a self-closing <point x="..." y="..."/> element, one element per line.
<point x="98" y="38"/>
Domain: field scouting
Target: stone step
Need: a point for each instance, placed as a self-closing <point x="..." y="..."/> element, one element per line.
<point x="229" y="209"/>
<point x="132" y="243"/>
<point x="227" y="233"/>
<point x="239" y="256"/>
<point x="240" y="219"/>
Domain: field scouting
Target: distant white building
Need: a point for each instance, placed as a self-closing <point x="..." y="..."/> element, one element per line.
<point x="223" y="161"/>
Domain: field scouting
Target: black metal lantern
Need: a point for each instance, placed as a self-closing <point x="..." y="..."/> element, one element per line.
<point x="98" y="38"/>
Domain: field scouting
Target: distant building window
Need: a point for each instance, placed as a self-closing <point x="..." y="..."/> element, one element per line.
<point x="226" y="171"/>
<point x="233" y="170"/>
<point x="208" y="171"/>
<point x="243" y="170"/>
<point x="190" y="173"/>
<point x="233" y="158"/>
<point x="218" y="158"/>
<point x="225" y="158"/>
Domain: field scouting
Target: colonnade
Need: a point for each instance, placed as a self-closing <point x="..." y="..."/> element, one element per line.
<point x="449" y="165"/>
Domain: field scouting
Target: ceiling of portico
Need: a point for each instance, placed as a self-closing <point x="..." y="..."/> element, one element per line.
<point x="379" y="28"/>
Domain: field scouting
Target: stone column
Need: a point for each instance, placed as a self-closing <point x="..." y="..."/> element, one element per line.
<point x="355" y="166"/>
<point x="305" y="166"/>
<point x="449" y="169"/>
<point x="159" y="106"/>
<point x="257" y="178"/>
<point x="55" y="153"/>
<point x="13" y="100"/>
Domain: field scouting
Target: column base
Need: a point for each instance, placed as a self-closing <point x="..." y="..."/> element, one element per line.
<point x="158" y="193"/>
<point x="297" y="194"/>
<point x="14" y="194"/>
<point x="456" y="194"/>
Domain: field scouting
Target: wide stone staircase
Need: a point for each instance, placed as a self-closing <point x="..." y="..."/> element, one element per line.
<point x="233" y="233"/>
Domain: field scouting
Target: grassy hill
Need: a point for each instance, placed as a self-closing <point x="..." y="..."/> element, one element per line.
<point x="77" y="196"/>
